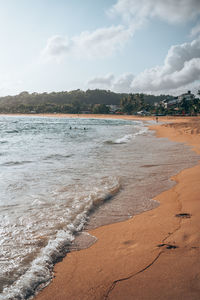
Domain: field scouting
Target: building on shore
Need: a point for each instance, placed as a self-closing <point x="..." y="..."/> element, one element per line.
<point x="187" y="96"/>
<point x="167" y="103"/>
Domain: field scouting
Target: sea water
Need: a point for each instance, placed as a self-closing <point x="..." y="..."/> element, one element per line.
<point x="58" y="175"/>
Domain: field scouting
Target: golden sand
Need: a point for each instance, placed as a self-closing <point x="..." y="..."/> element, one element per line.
<point x="154" y="255"/>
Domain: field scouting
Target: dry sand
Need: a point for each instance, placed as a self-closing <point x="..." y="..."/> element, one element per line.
<point x="155" y="255"/>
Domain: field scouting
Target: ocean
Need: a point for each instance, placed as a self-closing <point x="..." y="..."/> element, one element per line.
<point x="59" y="176"/>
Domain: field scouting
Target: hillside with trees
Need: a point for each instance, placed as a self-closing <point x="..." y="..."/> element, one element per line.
<point x="76" y="101"/>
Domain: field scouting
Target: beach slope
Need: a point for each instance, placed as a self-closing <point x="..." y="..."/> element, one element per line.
<point x="155" y="255"/>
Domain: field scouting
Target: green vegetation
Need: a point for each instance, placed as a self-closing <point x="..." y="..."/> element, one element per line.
<point x="62" y="102"/>
<point x="100" y="102"/>
<point x="100" y="109"/>
<point x="134" y="103"/>
<point x="77" y="101"/>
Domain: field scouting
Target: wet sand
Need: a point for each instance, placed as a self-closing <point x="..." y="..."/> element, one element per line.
<point x="154" y="255"/>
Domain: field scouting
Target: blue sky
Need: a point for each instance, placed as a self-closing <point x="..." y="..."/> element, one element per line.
<point x="150" y="46"/>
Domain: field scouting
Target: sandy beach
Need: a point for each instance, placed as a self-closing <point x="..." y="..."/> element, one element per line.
<point x="154" y="255"/>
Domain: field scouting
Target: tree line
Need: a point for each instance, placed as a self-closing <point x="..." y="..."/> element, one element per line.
<point x="77" y="101"/>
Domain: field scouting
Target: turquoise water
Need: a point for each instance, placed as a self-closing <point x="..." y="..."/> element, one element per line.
<point x="57" y="174"/>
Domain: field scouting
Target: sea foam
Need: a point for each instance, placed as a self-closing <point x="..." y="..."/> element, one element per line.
<point x="128" y="137"/>
<point x="39" y="273"/>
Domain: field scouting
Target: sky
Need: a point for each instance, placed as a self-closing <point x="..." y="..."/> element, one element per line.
<point x="148" y="46"/>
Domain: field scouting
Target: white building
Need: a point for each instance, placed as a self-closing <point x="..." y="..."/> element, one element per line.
<point x="187" y="96"/>
<point x="170" y="102"/>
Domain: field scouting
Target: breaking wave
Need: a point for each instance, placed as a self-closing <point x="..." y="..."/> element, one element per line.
<point x="128" y="137"/>
<point x="39" y="273"/>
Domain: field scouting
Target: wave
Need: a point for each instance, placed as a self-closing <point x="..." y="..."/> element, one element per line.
<point x="57" y="156"/>
<point x="3" y="142"/>
<point x="15" y="163"/>
<point x="40" y="272"/>
<point x="141" y="131"/>
<point x="125" y="139"/>
<point x="149" y="166"/>
<point x="12" y="131"/>
<point x="122" y="140"/>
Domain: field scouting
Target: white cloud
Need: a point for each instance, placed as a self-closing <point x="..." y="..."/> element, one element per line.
<point x="57" y="46"/>
<point x="123" y="83"/>
<point x="109" y="81"/>
<point x="179" y="54"/>
<point x="154" y="80"/>
<point x="173" y="11"/>
<point x="103" y="82"/>
<point x="181" y="68"/>
<point x="100" y="43"/>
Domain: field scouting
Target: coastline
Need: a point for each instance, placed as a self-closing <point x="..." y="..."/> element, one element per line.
<point x="104" y="116"/>
<point x="126" y="259"/>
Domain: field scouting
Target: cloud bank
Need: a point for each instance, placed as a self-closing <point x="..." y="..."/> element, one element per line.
<point x="181" y="68"/>
<point x="103" y="42"/>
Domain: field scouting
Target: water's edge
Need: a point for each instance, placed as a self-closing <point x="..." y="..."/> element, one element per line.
<point x="84" y="239"/>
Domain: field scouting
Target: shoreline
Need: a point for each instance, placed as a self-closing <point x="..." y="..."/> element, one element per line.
<point x="117" y="265"/>
<point x="106" y="116"/>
